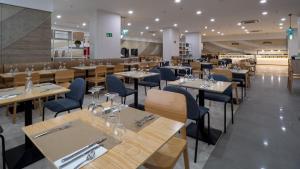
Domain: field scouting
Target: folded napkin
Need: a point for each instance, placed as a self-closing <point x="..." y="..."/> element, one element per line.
<point x="80" y="159"/>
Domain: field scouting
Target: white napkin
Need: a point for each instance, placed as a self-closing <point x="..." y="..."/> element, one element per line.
<point x="99" y="151"/>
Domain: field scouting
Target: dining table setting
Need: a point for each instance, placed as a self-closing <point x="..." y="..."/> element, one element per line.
<point x="106" y="135"/>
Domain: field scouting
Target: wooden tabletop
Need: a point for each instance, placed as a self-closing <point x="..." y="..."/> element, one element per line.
<point x="178" y="67"/>
<point x="131" y="63"/>
<point x="218" y="86"/>
<point x="37" y="92"/>
<point x="131" y="153"/>
<point x="41" y="72"/>
<point x="136" y="74"/>
<point x="91" y="67"/>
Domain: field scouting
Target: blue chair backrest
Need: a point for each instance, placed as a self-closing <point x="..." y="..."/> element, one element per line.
<point x="154" y="79"/>
<point x="223" y="78"/>
<point x="167" y="74"/>
<point x="77" y="90"/>
<point x="115" y="85"/>
<point x="192" y="106"/>
<point x="167" y="63"/>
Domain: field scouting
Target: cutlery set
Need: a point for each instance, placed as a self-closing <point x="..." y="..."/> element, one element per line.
<point x="144" y="120"/>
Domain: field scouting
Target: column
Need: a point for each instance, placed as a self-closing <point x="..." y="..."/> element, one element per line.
<point x="170" y="43"/>
<point x="105" y="35"/>
<point x="195" y="41"/>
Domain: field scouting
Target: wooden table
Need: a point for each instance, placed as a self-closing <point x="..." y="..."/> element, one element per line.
<point x="131" y="153"/>
<point x="26" y="154"/>
<point x="218" y="87"/>
<point x="136" y="75"/>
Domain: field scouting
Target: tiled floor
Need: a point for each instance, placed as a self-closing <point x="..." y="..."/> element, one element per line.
<point x="249" y="123"/>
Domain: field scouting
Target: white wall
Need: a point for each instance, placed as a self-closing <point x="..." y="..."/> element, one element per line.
<point x="45" y="5"/>
<point x="195" y="40"/>
<point x="102" y="22"/>
<point x="170" y="43"/>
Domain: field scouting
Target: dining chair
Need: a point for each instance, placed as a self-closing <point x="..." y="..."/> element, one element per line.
<point x="3" y="147"/>
<point x="153" y="81"/>
<point x="100" y="75"/>
<point x="115" y="85"/>
<point x="119" y="68"/>
<point x="172" y="106"/>
<point x="225" y="97"/>
<point x="228" y="74"/>
<point x="196" y="68"/>
<point x="167" y="75"/>
<point x="194" y="112"/>
<point x="64" y="78"/>
<point x="72" y="100"/>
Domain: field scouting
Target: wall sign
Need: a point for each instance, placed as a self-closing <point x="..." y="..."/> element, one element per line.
<point x="109" y="35"/>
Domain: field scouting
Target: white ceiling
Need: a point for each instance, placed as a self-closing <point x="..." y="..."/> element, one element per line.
<point x="226" y="12"/>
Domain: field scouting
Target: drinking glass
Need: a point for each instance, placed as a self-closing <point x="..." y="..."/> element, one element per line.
<point x="11" y="69"/>
<point x="16" y="69"/>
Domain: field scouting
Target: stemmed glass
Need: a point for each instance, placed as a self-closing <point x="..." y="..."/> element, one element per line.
<point x="16" y="70"/>
<point x="11" y="69"/>
<point x="186" y="76"/>
<point x="191" y="77"/>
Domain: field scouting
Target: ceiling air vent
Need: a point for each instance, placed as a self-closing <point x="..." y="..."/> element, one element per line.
<point x="235" y="44"/>
<point x="255" y="31"/>
<point x="267" y="43"/>
<point x="250" y="21"/>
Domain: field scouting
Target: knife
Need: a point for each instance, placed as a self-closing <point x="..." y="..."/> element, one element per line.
<point x="52" y="131"/>
<point x="82" y="150"/>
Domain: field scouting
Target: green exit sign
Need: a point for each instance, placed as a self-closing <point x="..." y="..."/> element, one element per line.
<point x="109" y="35"/>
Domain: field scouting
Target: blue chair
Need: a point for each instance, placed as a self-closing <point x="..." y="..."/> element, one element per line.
<point x="3" y="147"/>
<point x="72" y="100"/>
<point x="194" y="112"/>
<point x="153" y="81"/>
<point x="167" y="75"/>
<point x="115" y="85"/>
<point x="225" y="97"/>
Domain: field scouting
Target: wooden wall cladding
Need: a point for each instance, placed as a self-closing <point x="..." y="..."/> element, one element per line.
<point x="26" y="35"/>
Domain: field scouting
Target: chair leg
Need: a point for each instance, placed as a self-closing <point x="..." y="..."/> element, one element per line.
<point x="56" y="114"/>
<point x="186" y="158"/>
<point x="208" y="126"/>
<point x="68" y="111"/>
<point x="197" y="138"/>
<point x="124" y="100"/>
<point x="3" y="151"/>
<point x="232" y="120"/>
<point x="43" y="113"/>
<point x="225" y="117"/>
<point x="237" y="95"/>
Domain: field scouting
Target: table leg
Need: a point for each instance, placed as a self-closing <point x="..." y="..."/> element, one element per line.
<point x="86" y="83"/>
<point x="136" y="95"/>
<point x="176" y="72"/>
<point x="214" y="134"/>
<point x="25" y="154"/>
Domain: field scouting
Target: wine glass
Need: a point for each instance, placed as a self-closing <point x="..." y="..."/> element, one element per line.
<point x="16" y="69"/>
<point x="191" y="75"/>
<point x="11" y="69"/>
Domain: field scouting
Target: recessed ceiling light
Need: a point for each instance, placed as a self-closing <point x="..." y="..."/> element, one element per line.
<point x="147" y="27"/>
<point x="157" y="19"/>
<point x="204" y="34"/>
<point x="175" y="25"/>
<point x="246" y="30"/>
<point x="161" y="30"/>
<point x="239" y="24"/>
<point x="264" y="13"/>
<point x="128" y="24"/>
<point x="186" y="31"/>
<point x="212" y="20"/>
<point x="280" y="27"/>
<point x="83" y="24"/>
<point x="153" y="34"/>
<point x="222" y="34"/>
<point x="212" y="30"/>
<point x="130" y="12"/>
<point x="283" y="19"/>
<point x="243" y="27"/>
<point x="58" y="16"/>
<point x="218" y="32"/>
<point x="177" y="1"/>
<point x="283" y="128"/>
<point x="142" y="33"/>
<point x="199" y="12"/>
<point x="205" y="27"/>
<point x="263" y="1"/>
<point x="265" y="143"/>
<point x="280" y="24"/>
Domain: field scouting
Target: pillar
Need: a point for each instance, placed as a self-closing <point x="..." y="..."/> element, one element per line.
<point x="170" y="43"/>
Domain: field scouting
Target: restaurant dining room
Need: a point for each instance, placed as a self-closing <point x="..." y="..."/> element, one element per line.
<point x="149" y="84"/>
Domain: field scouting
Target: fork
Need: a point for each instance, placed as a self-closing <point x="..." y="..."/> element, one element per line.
<point x="91" y="155"/>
